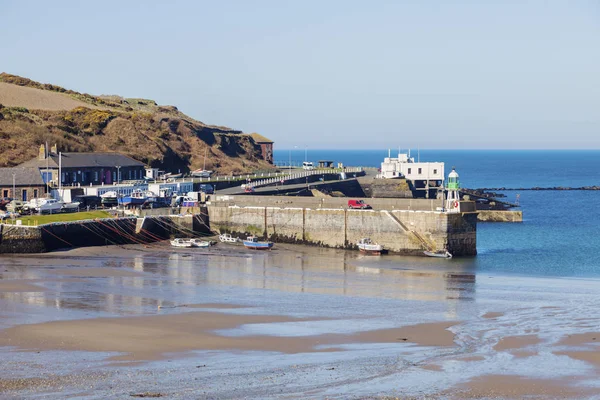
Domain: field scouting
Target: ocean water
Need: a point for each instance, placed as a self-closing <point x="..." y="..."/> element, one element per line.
<point x="560" y="233"/>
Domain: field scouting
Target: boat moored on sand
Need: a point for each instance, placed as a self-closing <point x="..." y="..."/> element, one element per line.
<point x="181" y="243"/>
<point x="438" y="254"/>
<point x="227" y="238"/>
<point x="252" y="243"/>
<point x="367" y="246"/>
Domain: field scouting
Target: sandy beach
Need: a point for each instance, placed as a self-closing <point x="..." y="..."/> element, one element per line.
<point x="298" y="322"/>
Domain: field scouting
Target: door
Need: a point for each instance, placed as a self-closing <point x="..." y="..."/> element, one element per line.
<point x="24" y="195"/>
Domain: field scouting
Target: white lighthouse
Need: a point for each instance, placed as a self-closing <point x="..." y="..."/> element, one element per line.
<point x="453" y="186"/>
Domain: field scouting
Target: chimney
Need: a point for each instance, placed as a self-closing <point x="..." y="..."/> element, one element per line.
<point x="42" y="152"/>
<point x="54" y="149"/>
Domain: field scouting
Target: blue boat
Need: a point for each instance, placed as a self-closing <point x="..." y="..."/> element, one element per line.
<point x="252" y="243"/>
<point x="136" y="198"/>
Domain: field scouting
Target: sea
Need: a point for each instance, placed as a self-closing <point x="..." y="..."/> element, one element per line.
<point x="560" y="232"/>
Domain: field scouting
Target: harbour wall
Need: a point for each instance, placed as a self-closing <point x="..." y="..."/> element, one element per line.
<point x="99" y="232"/>
<point x="407" y="232"/>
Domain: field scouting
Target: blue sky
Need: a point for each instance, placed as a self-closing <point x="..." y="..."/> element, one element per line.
<point x="332" y="74"/>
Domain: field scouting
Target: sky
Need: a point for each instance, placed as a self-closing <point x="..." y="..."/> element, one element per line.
<point x="332" y="74"/>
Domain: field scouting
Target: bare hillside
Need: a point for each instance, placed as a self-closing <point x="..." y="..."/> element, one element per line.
<point x="28" y="97"/>
<point x="32" y="113"/>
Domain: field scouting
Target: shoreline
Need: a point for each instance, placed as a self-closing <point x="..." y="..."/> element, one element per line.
<point x="306" y="322"/>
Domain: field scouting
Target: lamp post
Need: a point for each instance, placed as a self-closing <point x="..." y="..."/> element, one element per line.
<point x="305" y="153"/>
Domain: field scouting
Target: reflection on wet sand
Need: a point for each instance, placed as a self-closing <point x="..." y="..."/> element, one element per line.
<point x="126" y="282"/>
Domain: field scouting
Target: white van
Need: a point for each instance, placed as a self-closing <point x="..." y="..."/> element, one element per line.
<point x="307" y="165"/>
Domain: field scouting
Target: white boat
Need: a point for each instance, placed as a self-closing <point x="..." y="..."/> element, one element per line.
<point x="365" y="245"/>
<point x="439" y="254"/>
<point x="227" y="238"/>
<point x="70" y="207"/>
<point x="201" y="173"/>
<point x="181" y="243"/>
<point x="49" y="206"/>
<point x="199" y="243"/>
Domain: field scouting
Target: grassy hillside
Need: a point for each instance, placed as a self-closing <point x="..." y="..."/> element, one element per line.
<point x="33" y="113"/>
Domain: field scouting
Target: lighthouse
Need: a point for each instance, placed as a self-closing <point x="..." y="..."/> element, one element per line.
<point x="453" y="199"/>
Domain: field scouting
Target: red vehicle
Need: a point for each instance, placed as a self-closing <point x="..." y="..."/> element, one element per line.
<point x="358" y="204"/>
<point x="249" y="189"/>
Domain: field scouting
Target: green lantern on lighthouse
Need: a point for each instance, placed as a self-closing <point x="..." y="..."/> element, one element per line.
<point x="453" y="187"/>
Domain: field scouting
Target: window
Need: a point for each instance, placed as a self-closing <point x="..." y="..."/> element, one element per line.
<point x="129" y="174"/>
<point x="419" y="171"/>
<point x="35" y="193"/>
<point x="5" y="193"/>
<point x="62" y="177"/>
<point x="95" y="176"/>
<point x="409" y="171"/>
<point x="74" y="176"/>
<point x="114" y="176"/>
<point x="435" y="171"/>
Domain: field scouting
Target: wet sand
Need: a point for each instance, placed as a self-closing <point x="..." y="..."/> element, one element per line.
<point x="295" y="322"/>
<point x="150" y="338"/>
<point x="518" y="387"/>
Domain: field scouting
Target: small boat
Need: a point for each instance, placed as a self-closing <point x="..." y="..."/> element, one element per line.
<point x="70" y="207"/>
<point x="227" y="238"/>
<point x="365" y="245"/>
<point x="199" y="243"/>
<point x="252" y="243"/>
<point x="439" y="254"/>
<point x="181" y="243"/>
<point x="201" y="173"/>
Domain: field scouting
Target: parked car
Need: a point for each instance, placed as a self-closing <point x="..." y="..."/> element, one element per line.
<point x="207" y="188"/>
<point x="4" y="202"/>
<point x="358" y="204"/>
<point x="8" y="214"/>
<point x="248" y="189"/>
<point x="86" y="201"/>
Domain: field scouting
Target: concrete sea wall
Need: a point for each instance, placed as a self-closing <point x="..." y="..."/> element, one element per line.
<point x="399" y="231"/>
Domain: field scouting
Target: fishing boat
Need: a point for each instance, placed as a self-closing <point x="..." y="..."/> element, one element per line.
<point x="252" y="243"/>
<point x="439" y="254"/>
<point x="109" y="199"/>
<point x="227" y="238"/>
<point x="199" y="243"/>
<point x="181" y="243"/>
<point x="136" y="198"/>
<point x="365" y="245"/>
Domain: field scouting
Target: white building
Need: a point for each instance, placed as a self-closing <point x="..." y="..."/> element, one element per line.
<point x="404" y="166"/>
<point x="425" y="178"/>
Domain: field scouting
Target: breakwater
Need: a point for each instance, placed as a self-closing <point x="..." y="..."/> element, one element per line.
<point x="406" y="232"/>
<point x="99" y="232"/>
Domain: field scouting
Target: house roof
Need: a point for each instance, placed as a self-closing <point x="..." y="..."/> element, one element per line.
<point x="23" y="176"/>
<point x="258" y="138"/>
<point x="82" y="160"/>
